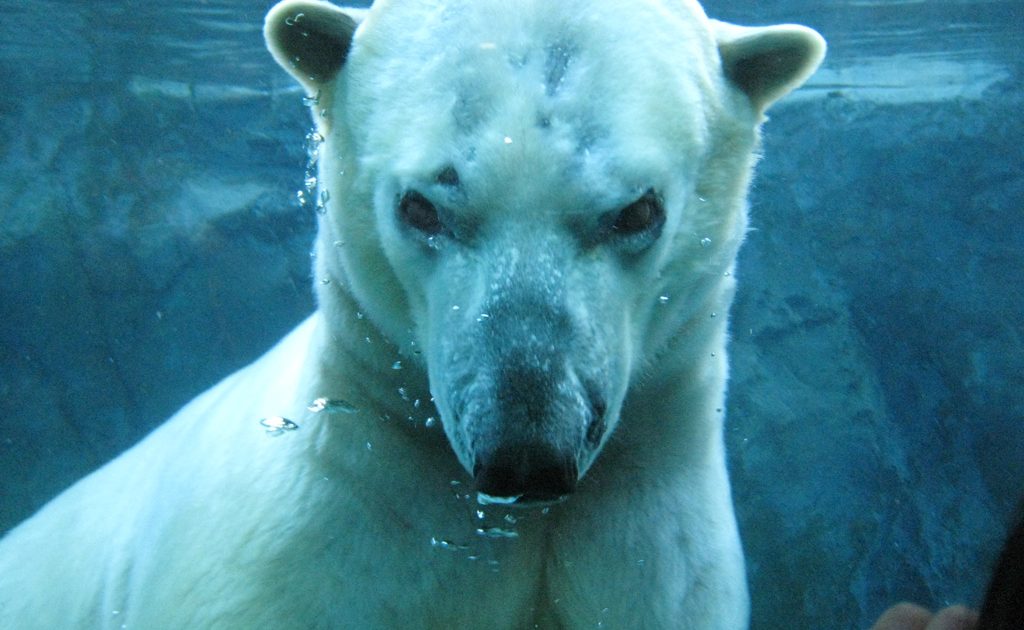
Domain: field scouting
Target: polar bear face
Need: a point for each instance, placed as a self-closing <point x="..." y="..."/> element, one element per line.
<point x="542" y="197"/>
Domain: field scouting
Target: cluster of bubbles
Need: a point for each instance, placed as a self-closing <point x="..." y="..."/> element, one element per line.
<point x="278" y="425"/>
<point x="490" y="521"/>
<point x="403" y="393"/>
<point x="307" y="195"/>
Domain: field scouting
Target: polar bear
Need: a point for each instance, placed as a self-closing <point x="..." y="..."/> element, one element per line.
<point x="506" y="411"/>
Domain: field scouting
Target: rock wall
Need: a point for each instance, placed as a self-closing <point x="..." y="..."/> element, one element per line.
<point x="149" y="246"/>
<point x="877" y="397"/>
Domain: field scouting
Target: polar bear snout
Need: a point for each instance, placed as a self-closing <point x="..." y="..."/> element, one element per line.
<point x="533" y="431"/>
<point x="530" y="433"/>
<point x="527" y="472"/>
<point x="526" y="394"/>
<point x="540" y="431"/>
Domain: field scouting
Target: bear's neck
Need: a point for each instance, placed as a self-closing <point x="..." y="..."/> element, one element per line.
<point x="359" y="364"/>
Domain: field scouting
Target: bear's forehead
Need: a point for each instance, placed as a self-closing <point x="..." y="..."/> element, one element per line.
<point x="486" y="47"/>
<point x="540" y="91"/>
<point x="417" y="28"/>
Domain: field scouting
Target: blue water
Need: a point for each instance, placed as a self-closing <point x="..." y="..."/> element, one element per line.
<point x="151" y="242"/>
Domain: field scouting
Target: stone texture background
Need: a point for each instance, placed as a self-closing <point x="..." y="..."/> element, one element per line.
<point x="151" y="243"/>
<point x="877" y="410"/>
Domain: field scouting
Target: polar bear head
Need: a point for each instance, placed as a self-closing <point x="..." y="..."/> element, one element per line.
<point x="545" y="197"/>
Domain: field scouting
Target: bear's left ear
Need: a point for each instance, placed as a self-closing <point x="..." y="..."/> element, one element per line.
<point x="310" y="39"/>
<point x="767" y="62"/>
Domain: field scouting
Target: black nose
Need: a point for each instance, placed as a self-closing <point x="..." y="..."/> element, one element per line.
<point x="531" y="472"/>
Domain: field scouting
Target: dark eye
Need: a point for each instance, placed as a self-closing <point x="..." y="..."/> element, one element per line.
<point x="416" y="211"/>
<point x="643" y="215"/>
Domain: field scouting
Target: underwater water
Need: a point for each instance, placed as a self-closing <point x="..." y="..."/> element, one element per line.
<point x="152" y="242"/>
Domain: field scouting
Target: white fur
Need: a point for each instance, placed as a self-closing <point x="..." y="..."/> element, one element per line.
<point x="555" y="116"/>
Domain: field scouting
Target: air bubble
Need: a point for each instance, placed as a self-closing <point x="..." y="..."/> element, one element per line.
<point x="496" y="532"/>
<point x="331" y="405"/>
<point x="440" y="543"/>
<point x="321" y="204"/>
<point x="313" y="142"/>
<point x="705" y="242"/>
<point x="482" y="498"/>
<point x="663" y="299"/>
<point x="276" y="425"/>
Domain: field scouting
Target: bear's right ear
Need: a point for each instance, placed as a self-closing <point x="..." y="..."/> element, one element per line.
<point x="310" y="39"/>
